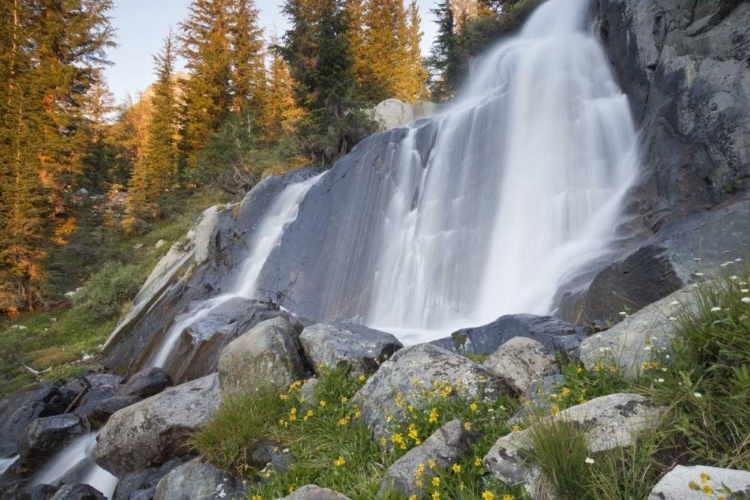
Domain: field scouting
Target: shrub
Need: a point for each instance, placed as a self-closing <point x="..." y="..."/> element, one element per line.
<point x="107" y="291"/>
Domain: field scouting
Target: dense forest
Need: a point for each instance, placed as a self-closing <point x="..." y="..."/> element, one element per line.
<point x="80" y="173"/>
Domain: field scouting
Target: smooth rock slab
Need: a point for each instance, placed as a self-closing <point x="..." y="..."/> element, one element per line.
<point x="425" y="364"/>
<point x="633" y="341"/>
<point x="194" y="480"/>
<point x="312" y="492"/>
<point x="674" y="485"/>
<point x="146" y="383"/>
<point x="615" y="421"/>
<point x="521" y="361"/>
<point x="156" y="429"/>
<point x="342" y="344"/>
<point x="268" y="355"/>
<point x="553" y="333"/>
<point x="446" y="446"/>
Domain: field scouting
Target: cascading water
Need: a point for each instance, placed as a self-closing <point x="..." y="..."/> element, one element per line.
<point x="77" y="455"/>
<point x="282" y="212"/>
<point x="524" y="185"/>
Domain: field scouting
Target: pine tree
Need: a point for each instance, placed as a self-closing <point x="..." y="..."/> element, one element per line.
<point x="281" y="112"/>
<point x="156" y="172"/>
<point x="52" y="52"/>
<point x="207" y="93"/>
<point x="100" y="154"/>
<point x="248" y="61"/>
<point x="414" y="76"/>
<point x="446" y="59"/>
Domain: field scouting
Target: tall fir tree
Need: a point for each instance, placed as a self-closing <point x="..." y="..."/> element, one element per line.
<point x="52" y="52"/>
<point x="248" y="61"/>
<point x="414" y="73"/>
<point x="281" y="111"/>
<point x="207" y="93"/>
<point x="156" y="171"/>
<point x="446" y="58"/>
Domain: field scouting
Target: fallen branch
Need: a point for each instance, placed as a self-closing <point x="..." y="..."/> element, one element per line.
<point x="35" y="372"/>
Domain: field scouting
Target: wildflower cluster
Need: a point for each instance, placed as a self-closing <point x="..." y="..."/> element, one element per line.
<point x="709" y="490"/>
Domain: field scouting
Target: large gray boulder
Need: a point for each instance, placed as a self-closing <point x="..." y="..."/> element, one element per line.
<point x="267" y="356"/>
<point x="18" y="410"/>
<point x="46" y="436"/>
<point x="360" y="348"/>
<point x="553" y="333"/>
<point x="78" y="492"/>
<point x="520" y="362"/>
<point x="683" y="253"/>
<point x="196" y="479"/>
<point x="446" y="446"/>
<point x="199" y="346"/>
<point x="638" y="338"/>
<point x="312" y="492"/>
<point x="684" y="69"/>
<point x="675" y="485"/>
<point x="143" y="481"/>
<point x="156" y="429"/>
<point x="146" y="383"/>
<point x="413" y="370"/>
<point x="614" y="421"/>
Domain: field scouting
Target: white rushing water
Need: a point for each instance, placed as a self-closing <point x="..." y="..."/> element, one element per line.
<point x="282" y="212"/>
<point x="523" y="188"/>
<point x="74" y="455"/>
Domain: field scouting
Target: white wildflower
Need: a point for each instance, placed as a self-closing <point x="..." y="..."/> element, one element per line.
<point x="589" y="460"/>
<point x="674" y="303"/>
<point x="733" y="278"/>
<point x="672" y="318"/>
<point x="623" y="313"/>
<point x="647" y="348"/>
<point x="698" y="274"/>
<point x="745" y="290"/>
<point x="698" y="395"/>
<point x="746" y="300"/>
<point x="661" y="380"/>
<point x="715" y="309"/>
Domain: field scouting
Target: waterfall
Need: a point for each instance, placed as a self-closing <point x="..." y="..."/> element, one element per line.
<point x="77" y="454"/>
<point x="281" y="213"/>
<point x="523" y="188"/>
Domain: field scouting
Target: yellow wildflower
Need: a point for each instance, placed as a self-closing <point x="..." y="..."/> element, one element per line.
<point x="283" y="397"/>
<point x="339" y="461"/>
<point x="431" y="464"/>
<point x="555" y="409"/>
<point x="456" y="468"/>
<point x="565" y="391"/>
<point x="344" y="400"/>
<point x="362" y="378"/>
<point x="436" y="496"/>
<point x="477" y="462"/>
<point x="436" y="481"/>
<point x="707" y="489"/>
<point x="467" y="426"/>
<point x="508" y="497"/>
<point x="291" y="489"/>
<point x="383" y="441"/>
<point x="418" y="483"/>
<point x="322" y="403"/>
<point x="704" y="477"/>
<point x="473" y="406"/>
<point x="488" y="496"/>
<point x="462" y="486"/>
<point x="515" y="428"/>
<point x="693" y="486"/>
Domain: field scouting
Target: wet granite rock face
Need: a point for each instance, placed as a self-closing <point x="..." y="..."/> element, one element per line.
<point x="46" y="436"/>
<point x="680" y="254"/>
<point x="78" y="492"/>
<point x="684" y="66"/>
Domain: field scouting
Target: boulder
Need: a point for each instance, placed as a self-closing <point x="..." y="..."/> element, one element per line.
<point x="103" y="380"/>
<point x="92" y="398"/>
<point x="268" y="355"/>
<point x="197" y="350"/>
<point x="195" y="479"/>
<point x="38" y="492"/>
<point x="99" y="415"/>
<point x="446" y="446"/>
<point x="393" y="113"/>
<point x="78" y="492"/>
<point x="343" y="344"/>
<point x="312" y="492"/>
<point x="614" y="420"/>
<point x="681" y="254"/>
<point x="674" y="485"/>
<point x="553" y="333"/>
<point x="156" y="429"/>
<point x="521" y="361"/>
<point x="46" y="436"/>
<point x="18" y="410"/>
<point x="146" y="383"/>
<point x="634" y="341"/>
<point x="413" y="370"/>
<point x="143" y="481"/>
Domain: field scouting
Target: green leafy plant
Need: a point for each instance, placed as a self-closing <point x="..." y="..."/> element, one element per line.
<point x="107" y="291"/>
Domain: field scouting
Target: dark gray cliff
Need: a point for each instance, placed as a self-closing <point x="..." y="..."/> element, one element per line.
<point x="685" y="65"/>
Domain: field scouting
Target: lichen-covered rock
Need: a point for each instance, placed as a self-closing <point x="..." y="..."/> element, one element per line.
<point x="266" y="356"/>
<point x="640" y="336"/>
<point x="446" y="446"/>
<point x="143" y="481"/>
<point x="312" y="492"/>
<point x="614" y="421"/>
<point x="674" y="485"/>
<point x="196" y="479"/>
<point x="156" y="429"/>
<point x="360" y="348"/>
<point x="411" y="371"/>
<point x="521" y="361"/>
<point x="553" y="333"/>
<point x="45" y="436"/>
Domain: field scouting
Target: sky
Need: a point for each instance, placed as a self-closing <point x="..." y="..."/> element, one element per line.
<point x="142" y="26"/>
